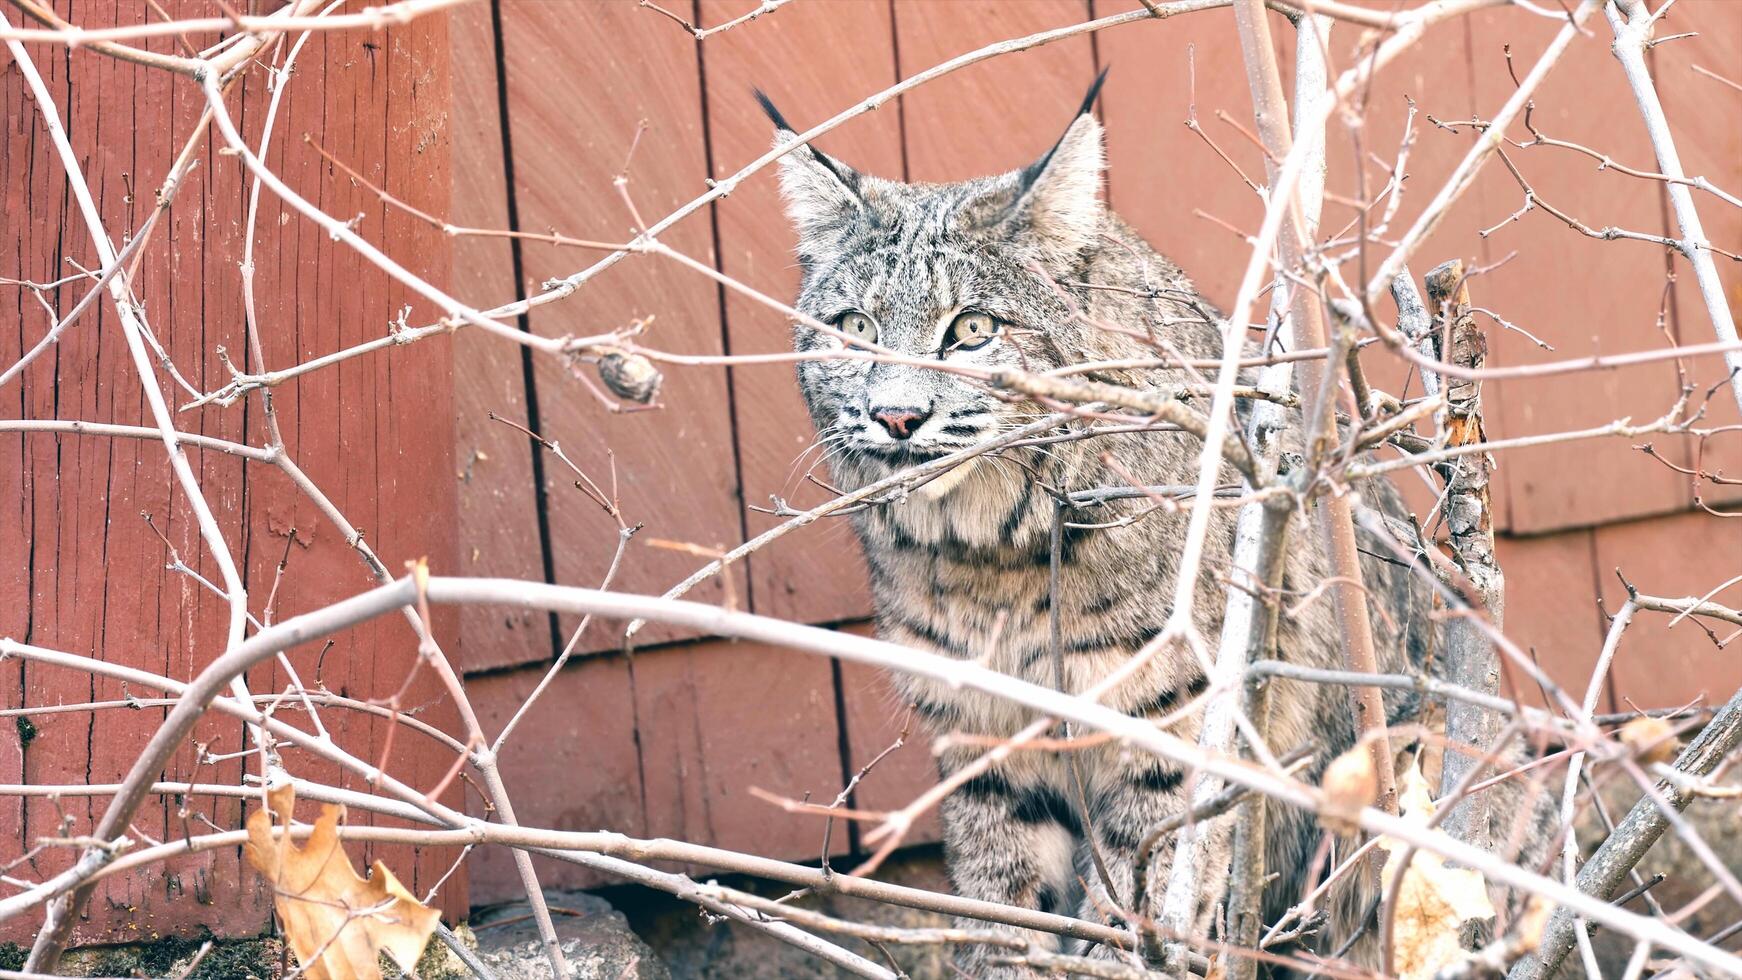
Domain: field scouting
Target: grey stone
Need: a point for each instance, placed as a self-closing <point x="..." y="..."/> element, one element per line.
<point x="1719" y="824"/>
<point x="696" y="946"/>
<point x="596" y="940"/>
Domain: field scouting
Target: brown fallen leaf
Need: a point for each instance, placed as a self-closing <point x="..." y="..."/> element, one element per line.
<point x="1433" y="901"/>
<point x="337" y="923"/>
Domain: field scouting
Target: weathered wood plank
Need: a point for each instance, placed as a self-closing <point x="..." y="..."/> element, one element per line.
<point x="1685" y="554"/>
<point x="1000" y="114"/>
<point x="720" y="718"/>
<point x="1551" y="611"/>
<point x="1706" y="117"/>
<point x="375" y="434"/>
<point x="816" y="575"/>
<point x="572" y="765"/>
<point x="875" y="717"/>
<point x="1577" y="293"/>
<point x="582" y="77"/>
<point x="498" y="500"/>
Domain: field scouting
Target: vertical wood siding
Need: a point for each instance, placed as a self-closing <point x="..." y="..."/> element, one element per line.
<point x="546" y="100"/>
<point x="1566" y="283"/>
<point x="1707" y="118"/>
<point x="499" y="523"/>
<point x="581" y="80"/>
<point x="81" y="570"/>
<point x="677" y="733"/>
<point x="828" y="56"/>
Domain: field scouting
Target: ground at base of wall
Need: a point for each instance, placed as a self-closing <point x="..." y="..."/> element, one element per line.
<point x="621" y="933"/>
<point x="228" y="959"/>
<point x="636" y="934"/>
<point x="596" y="940"/>
<point x="695" y="946"/>
<point x="260" y="958"/>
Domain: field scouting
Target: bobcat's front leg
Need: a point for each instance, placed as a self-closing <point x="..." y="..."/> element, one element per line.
<point x="1131" y="797"/>
<point x="1008" y="839"/>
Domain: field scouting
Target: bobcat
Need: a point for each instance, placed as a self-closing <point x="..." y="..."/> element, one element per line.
<point x="1029" y="269"/>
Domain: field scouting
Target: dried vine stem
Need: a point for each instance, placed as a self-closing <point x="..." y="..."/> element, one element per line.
<point x="1632" y="24"/>
<point x="1261" y="529"/>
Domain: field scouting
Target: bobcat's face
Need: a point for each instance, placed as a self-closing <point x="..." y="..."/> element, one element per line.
<point x="964" y="275"/>
<point x="926" y="281"/>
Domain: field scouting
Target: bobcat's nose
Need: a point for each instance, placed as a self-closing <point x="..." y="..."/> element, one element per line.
<point x="900" y="423"/>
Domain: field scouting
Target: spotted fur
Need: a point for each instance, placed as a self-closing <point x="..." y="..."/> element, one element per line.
<point x="963" y="565"/>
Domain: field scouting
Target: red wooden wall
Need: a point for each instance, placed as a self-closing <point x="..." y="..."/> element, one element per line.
<point x="81" y="571"/>
<point x="668" y="741"/>
<point x="545" y="101"/>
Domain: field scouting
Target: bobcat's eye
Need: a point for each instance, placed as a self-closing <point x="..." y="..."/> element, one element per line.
<point x="970" y="331"/>
<point x="857" y="326"/>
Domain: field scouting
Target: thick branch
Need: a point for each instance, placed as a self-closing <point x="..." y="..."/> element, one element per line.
<point x="1632" y="37"/>
<point x="1471" y="660"/>
<point x="1633" y="836"/>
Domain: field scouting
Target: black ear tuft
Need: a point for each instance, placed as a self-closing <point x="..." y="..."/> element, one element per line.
<point x="1057" y="199"/>
<point x="1032" y="172"/>
<point x="820" y="191"/>
<point x="848" y="177"/>
<point x="780" y="120"/>
<point x="1088" y="100"/>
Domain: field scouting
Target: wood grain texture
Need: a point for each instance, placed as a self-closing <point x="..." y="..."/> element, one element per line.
<point x="22" y="252"/>
<point x="813" y="60"/>
<point x="719" y="718"/>
<point x="875" y="717"/>
<point x="498" y="501"/>
<point x="375" y="435"/>
<point x="93" y="574"/>
<point x="1160" y="174"/>
<point x="582" y="77"/>
<point x="997" y="115"/>
<point x="1577" y="293"/>
<point x="573" y="764"/>
<point x="1551" y="612"/>
<point x="1672" y="557"/>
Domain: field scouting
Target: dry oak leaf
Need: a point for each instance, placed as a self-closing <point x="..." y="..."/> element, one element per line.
<point x="1433" y="901"/>
<point x="337" y="923"/>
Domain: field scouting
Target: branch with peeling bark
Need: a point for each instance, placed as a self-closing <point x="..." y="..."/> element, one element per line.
<point x="1470" y="660"/>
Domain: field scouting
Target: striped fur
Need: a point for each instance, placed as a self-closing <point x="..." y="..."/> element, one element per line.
<point x="962" y="567"/>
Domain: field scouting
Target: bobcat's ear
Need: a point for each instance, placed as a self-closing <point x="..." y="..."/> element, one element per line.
<point x="820" y="191"/>
<point x="1059" y="196"/>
